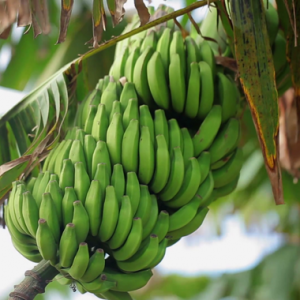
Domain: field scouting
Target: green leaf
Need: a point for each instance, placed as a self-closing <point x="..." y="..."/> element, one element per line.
<point x="257" y="76"/>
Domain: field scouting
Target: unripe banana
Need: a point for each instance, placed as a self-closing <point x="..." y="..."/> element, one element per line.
<point x="133" y="191"/>
<point x="162" y="225"/>
<point x="63" y="154"/>
<point x="146" y="156"/>
<point x="118" y="68"/>
<point x="89" y="148"/>
<point x="88" y="125"/>
<point x="206" y="190"/>
<point x="42" y="187"/>
<point x="102" y="176"/>
<point x="207" y="55"/>
<point x="81" y="181"/>
<point x="30" y="213"/>
<point x="76" y="153"/>
<point x="18" y="203"/>
<point x="192" y="54"/>
<point x="109" y="95"/>
<point x="110" y="215"/>
<point x="118" y="181"/>
<point x="101" y="155"/>
<point x="100" y="123"/>
<point x="162" y="165"/>
<point x="114" y="295"/>
<point x="146" y="120"/>
<point x="67" y="205"/>
<point x="175" y="135"/>
<point x="81" y="221"/>
<point x="114" y="137"/>
<point x="57" y="196"/>
<point x="132" y="243"/>
<point x="161" y="125"/>
<point x="46" y="241"/>
<point x="93" y="205"/>
<point x="68" y="246"/>
<point x="143" y="210"/>
<point x="150" y="40"/>
<point x="130" y="63"/>
<point x="160" y="253"/>
<point x="127" y="93"/>
<point x="116" y="108"/>
<point x="188" y="146"/>
<point x="66" y="177"/>
<point x="80" y="262"/>
<point x="31" y="184"/>
<point x="95" y="267"/>
<point x="177" y="47"/>
<point x="131" y="112"/>
<point x="130" y="146"/>
<point x="204" y="164"/>
<point x="124" y="224"/>
<point x="163" y="47"/>
<point x="147" y="229"/>
<point x="49" y="213"/>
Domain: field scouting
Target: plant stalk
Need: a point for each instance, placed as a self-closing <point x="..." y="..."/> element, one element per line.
<point x="35" y="281"/>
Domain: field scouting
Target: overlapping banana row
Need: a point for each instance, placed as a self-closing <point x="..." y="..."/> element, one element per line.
<point x="175" y="74"/>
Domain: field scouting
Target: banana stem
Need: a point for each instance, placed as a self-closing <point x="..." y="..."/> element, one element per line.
<point x="34" y="282"/>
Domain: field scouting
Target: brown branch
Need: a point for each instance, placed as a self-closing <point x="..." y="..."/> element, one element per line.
<point x="34" y="282"/>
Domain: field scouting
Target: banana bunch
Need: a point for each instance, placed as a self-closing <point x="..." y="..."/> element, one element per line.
<point x="149" y="155"/>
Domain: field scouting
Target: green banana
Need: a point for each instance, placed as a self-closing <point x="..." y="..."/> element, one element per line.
<point x="230" y="170"/>
<point x="116" y="108"/>
<point x="67" y="205"/>
<point x="227" y="189"/>
<point x="175" y="135"/>
<point x="30" y="212"/>
<point x="133" y="191"/>
<point x="146" y="156"/>
<point x="102" y="176"/>
<point x="142" y="258"/>
<point x="101" y="155"/>
<point x="124" y="224"/>
<point x="220" y="163"/>
<point x="131" y="112"/>
<point x="177" y="83"/>
<point x="130" y="63"/>
<point x="118" y="181"/>
<point x="89" y="147"/>
<point x="81" y="221"/>
<point x="227" y="96"/>
<point x="93" y="205"/>
<point x="80" y="262"/>
<point x="76" y="153"/>
<point x="132" y="243"/>
<point x="207" y="55"/>
<point x="147" y="229"/>
<point x="114" y="137"/>
<point x="157" y="81"/>
<point x="191" y="226"/>
<point x="177" y="47"/>
<point x="130" y="146"/>
<point x="192" y="54"/>
<point x="18" y="203"/>
<point x="127" y="282"/>
<point x="193" y="91"/>
<point x="68" y="246"/>
<point x="143" y="210"/>
<point x="205" y="190"/>
<point x="95" y="267"/>
<point x="204" y="164"/>
<point x="35" y="190"/>
<point x="64" y="154"/>
<point x="184" y="214"/>
<point x="160" y="253"/>
<point x="66" y="177"/>
<point x="161" y="125"/>
<point x="208" y="130"/>
<point x="49" y="213"/>
<point x="95" y="285"/>
<point x="207" y="90"/>
<point x="88" y="125"/>
<point x="110" y="215"/>
<point x="176" y="177"/>
<point x="46" y="242"/>
<point x="52" y="159"/>
<point x="118" y="68"/>
<point x="100" y="123"/>
<point x="140" y="76"/>
<point x="188" y="146"/>
<point x="189" y="186"/>
<point x="42" y="187"/>
<point x="162" y="225"/>
<point x="150" y="40"/>
<point x="30" y="184"/>
<point x="81" y="181"/>
<point x="146" y="120"/>
<point x="109" y="95"/>
<point x="162" y="165"/>
<point x="226" y="140"/>
<point x="127" y="93"/>
<point x="163" y="47"/>
<point x="57" y="196"/>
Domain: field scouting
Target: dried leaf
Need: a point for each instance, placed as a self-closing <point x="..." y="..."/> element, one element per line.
<point x="65" y="15"/>
<point x="111" y="4"/>
<point x="5" y="34"/>
<point x="227" y="62"/>
<point x="99" y="21"/>
<point x="254" y="59"/>
<point x="120" y="11"/>
<point x="142" y="11"/>
<point x="24" y="16"/>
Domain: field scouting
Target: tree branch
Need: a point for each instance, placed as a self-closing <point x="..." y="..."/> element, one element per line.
<point x="35" y="281"/>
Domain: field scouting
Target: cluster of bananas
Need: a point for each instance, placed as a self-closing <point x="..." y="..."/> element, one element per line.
<point x="149" y="155"/>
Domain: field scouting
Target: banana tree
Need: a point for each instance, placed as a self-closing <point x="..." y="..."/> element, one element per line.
<point x="183" y="177"/>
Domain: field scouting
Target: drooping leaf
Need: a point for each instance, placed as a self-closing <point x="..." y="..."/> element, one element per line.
<point x="257" y="76"/>
<point x="66" y="10"/>
<point x="142" y="11"/>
